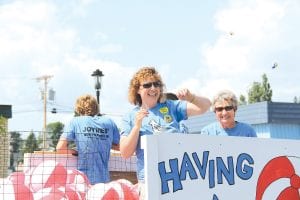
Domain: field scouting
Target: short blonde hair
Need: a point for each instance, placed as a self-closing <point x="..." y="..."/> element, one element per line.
<point x="135" y="83"/>
<point x="225" y="95"/>
<point x="86" y="105"/>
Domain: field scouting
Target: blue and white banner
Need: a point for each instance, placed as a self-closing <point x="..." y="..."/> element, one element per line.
<point x="192" y="166"/>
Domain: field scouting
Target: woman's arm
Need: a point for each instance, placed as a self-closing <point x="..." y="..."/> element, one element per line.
<point x="196" y="104"/>
<point x="128" y="143"/>
<point x="62" y="147"/>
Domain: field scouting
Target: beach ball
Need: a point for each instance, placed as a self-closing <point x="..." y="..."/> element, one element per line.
<point x="50" y="193"/>
<point x="77" y="177"/>
<point x="17" y="177"/>
<point x="27" y="174"/>
<point x="119" y="190"/>
<point x="129" y="192"/>
<point x="47" y="174"/>
<point x="72" y="193"/>
<point x="279" y="179"/>
<point x="102" y="191"/>
<point x="11" y="191"/>
<point x="78" y="181"/>
<point x="135" y="190"/>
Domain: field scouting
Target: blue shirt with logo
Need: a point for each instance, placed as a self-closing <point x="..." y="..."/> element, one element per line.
<point x="93" y="136"/>
<point x="164" y="117"/>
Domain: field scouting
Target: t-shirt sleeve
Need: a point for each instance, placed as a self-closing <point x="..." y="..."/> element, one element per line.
<point x="126" y="125"/>
<point x="69" y="132"/>
<point x="116" y="134"/>
<point x="180" y="109"/>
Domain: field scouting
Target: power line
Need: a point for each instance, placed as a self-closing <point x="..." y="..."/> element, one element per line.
<point x="26" y="111"/>
<point x="14" y="77"/>
<point x="60" y="105"/>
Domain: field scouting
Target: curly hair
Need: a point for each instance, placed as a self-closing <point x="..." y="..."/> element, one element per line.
<point x="86" y="105"/>
<point x="225" y="95"/>
<point x="141" y="75"/>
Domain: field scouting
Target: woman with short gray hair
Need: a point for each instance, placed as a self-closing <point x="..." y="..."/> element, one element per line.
<point x="225" y="105"/>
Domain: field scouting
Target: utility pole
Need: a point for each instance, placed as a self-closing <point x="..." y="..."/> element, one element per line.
<point x="45" y="78"/>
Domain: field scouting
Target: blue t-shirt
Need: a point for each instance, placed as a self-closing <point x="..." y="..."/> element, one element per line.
<point x="164" y="117"/>
<point x="240" y="129"/>
<point x="93" y="137"/>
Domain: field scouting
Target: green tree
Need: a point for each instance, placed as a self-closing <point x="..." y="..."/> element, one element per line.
<point x="260" y="91"/>
<point x="31" y="144"/>
<point x="255" y="93"/>
<point x="296" y="99"/>
<point x="15" y="151"/>
<point x="15" y="141"/>
<point x="242" y="100"/>
<point x="54" y="130"/>
<point x="266" y="89"/>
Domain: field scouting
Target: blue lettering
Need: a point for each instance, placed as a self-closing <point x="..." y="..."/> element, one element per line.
<point x="227" y="172"/>
<point x="169" y="176"/>
<point x="202" y="167"/>
<point x="216" y="169"/>
<point x="211" y="174"/>
<point x="245" y="171"/>
<point x="187" y="167"/>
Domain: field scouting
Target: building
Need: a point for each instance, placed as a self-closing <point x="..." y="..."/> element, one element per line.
<point x="269" y="119"/>
<point x="5" y="114"/>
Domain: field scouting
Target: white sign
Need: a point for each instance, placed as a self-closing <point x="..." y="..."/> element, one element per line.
<point x="192" y="166"/>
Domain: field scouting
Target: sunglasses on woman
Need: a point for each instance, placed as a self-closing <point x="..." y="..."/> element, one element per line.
<point x="220" y="109"/>
<point x="149" y="85"/>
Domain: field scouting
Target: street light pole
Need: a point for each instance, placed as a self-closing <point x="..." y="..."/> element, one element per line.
<point x="98" y="94"/>
<point x="97" y="74"/>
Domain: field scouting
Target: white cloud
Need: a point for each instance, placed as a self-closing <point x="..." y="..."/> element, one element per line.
<point x="111" y="48"/>
<point x="251" y="35"/>
<point x="243" y="27"/>
<point x="102" y="36"/>
<point x="224" y="58"/>
<point x="252" y="21"/>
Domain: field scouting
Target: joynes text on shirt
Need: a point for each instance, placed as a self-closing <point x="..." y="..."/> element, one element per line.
<point x="95" y="132"/>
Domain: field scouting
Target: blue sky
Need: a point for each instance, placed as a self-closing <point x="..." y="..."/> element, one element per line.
<point x="203" y="45"/>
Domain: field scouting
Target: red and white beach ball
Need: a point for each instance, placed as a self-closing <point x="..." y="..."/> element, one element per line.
<point x="76" y="176"/>
<point x="103" y="191"/>
<point x="119" y="190"/>
<point x="279" y="179"/>
<point x="48" y="174"/>
<point x="78" y="181"/>
<point x="135" y="188"/>
<point x="129" y="191"/>
<point x="50" y="193"/>
<point x="17" y="177"/>
<point x="72" y="193"/>
<point x="12" y="191"/>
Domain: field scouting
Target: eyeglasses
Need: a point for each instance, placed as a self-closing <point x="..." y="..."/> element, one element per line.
<point x="220" y="109"/>
<point x="149" y="85"/>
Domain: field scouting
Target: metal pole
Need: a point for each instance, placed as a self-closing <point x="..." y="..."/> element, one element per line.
<point x="98" y="95"/>
<point x="45" y="79"/>
<point x="45" y="115"/>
